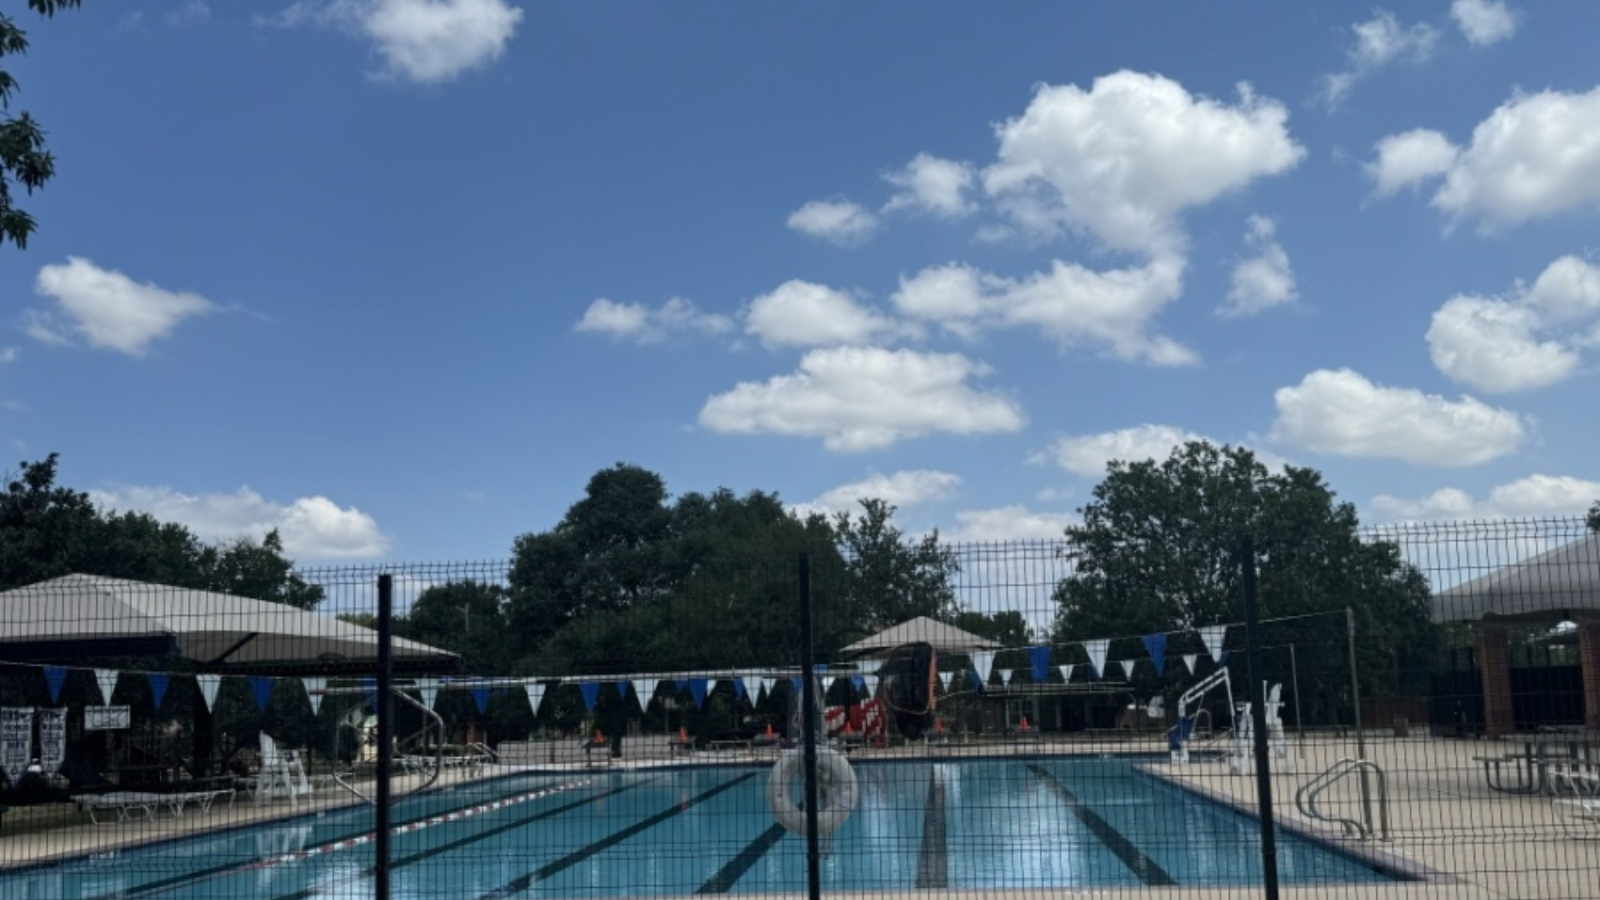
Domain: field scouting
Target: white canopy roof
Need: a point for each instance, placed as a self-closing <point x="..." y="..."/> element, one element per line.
<point x="944" y="638"/>
<point x="85" y="614"/>
<point x="1559" y="583"/>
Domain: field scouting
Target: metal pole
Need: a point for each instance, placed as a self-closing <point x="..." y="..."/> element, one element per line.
<point x="808" y="728"/>
<point x="380" y="844"/>
<point x="1258" y="717"/>
<point x="1355" y="704"/>
<point x="1299" y="729"/>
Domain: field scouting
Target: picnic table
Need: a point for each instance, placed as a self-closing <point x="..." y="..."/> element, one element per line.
<point x="1525" y="769"/>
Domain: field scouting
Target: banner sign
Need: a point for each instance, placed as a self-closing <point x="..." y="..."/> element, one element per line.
<point x="16" y="741"/>
<point x="52" y="739"/>
<point x="106" y="718"/>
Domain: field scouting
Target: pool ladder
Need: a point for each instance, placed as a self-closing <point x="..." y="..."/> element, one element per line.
<point x="1306" y="798"/>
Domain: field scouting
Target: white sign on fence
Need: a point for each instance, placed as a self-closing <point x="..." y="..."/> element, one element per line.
<point x="52" y="739"/>
<point x="106" y="718"/>
<point x="16" y="741"/>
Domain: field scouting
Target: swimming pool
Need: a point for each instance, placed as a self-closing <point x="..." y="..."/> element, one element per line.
<point x="1046" y="822"/>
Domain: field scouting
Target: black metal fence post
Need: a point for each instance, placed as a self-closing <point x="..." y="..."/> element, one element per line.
<point x="809" y="727"/>
<point x="380" y="843"/>
<point x="1258" y="723"/>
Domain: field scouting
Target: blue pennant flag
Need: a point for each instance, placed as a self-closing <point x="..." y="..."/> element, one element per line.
<point x="371" y="684"/>
<point x="738" y="688"/>
<point x="680" y="685"/>
<point x="591" y="693"/>
<point x="975" y="679"/>
<point x="1156" y="646"/>
<point x="858" y="683"/>
<point x="697" y="688"/>
<point x="480" y="696"/>
<point x="261" y="686"/>
<point x="158" y="686"/>
<point x="1039" y="657"/>
<point x="55" y="676"/>
<point x="622" y="691"/>
<point x="798" y="685"/>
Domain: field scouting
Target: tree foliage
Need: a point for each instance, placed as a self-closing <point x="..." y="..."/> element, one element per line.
<point x="1594" y="517"/>
<point x="47" y="530"/>
<point x="24" y="160"/>
<point x="1159" y="551"/>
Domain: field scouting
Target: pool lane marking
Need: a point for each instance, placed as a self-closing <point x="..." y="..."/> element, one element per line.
<point x="933" y="860"/>
<point x="419" y="856"/>
<point x="346" y="843"/>
<point x="1143" y="866"/>
<point x="740" y="864"/>
<point x="554" y="867"/>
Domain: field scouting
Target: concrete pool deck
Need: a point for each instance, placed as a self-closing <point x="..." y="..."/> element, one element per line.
<point x="1469" y="841"/>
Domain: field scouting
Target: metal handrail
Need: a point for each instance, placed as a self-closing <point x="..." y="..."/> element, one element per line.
<point x="431" y="722"/>
<point x="1305" y="799"/>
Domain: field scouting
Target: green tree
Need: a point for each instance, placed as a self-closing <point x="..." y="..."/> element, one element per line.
<point x="893" y="579"/>
<point x="1594" y="517"/>
<point x="1007" y="628"/>
<point x="24" y="160"/>
<point x="1159" y="550"/>
<point x="247" y="568"/>
<point x="468" y="618"/>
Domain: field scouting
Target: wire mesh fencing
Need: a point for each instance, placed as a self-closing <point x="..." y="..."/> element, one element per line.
<point x="1415" y="717"/>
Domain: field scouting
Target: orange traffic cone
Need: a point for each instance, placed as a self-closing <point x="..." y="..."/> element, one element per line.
<point x="598" y="737"/>
<point x="683" y="735"/>
<point x="1025" y="723"/>
<point x="769" y="730"/>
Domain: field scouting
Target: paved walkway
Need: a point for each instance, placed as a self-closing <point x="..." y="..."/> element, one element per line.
<point x="1445" y="822"/>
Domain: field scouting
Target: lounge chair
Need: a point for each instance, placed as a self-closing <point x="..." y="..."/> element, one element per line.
<point x="131" y="805"/>
<point x="1577" y="797"/>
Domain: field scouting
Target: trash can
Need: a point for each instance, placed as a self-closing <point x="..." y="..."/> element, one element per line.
<point x="1402" y="726"/>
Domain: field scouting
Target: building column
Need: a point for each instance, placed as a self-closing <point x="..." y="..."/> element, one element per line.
<point x="1589" y="659"/>
<point x="1494" y="667"/>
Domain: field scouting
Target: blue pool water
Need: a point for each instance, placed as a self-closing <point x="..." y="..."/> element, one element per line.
<point x="1015" y="823"/>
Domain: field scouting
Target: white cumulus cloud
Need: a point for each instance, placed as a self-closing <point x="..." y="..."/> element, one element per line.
<point x="106" y="308"/>
<point x="1124" y="159"/>
<point x="312" y="528"/>
<point x="1110" y="311"/>
<point x="1535" y="495"/>
<point x="1529" y="340"/>
<point x="802" y="314"/>
<point x="1008" y="523"/>
<point x="1484" y="22"/>
<point x="1534" y="157"/>
<point x="903" y="489"/>
<point x="642" y="324"/>
<point x="1089" y="455"/>
<point x="1379" y="41"/>
<point x="836" y="221"/>
<point x="932" y="185"/>
<point x="1342" y="413"/>
<point x="424" y="41"/>
<point x="866" y="398"/>
<point x="1405" y="160"/>
<point x="1263" y="280"/>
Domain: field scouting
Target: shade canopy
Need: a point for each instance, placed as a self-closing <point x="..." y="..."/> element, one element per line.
<point x="80" y="617"/>
<point x="1558" y="584"/>
<point x="944" y="638"/>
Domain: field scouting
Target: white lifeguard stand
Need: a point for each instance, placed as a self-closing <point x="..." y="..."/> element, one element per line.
<point x="1241" y="750"/>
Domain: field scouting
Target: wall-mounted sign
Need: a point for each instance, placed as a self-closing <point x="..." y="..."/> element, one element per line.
<point x="106" y="718"/>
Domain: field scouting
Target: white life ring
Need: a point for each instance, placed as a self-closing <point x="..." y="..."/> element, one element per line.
<point x="836" y="790"/>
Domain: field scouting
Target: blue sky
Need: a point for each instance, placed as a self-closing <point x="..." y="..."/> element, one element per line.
<point x="398" y="276"/>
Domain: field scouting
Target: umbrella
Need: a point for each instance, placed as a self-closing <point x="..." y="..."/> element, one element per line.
<point x="944" y="638"/>
<point x="81" y="616"/>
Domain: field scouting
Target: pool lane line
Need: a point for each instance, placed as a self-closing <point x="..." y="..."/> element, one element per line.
<point x="740" y="864"/>
<point x="431" y="852"/>
<point x="346" y="843"/>
<point x="1142" y="866"/>
<point x="554" y="867"/>
<point x="933" y="859"/>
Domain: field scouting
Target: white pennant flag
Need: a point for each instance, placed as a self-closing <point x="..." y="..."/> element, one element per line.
<point x="827" y="683"/>
<point x="1097" y="655"/>
<point x="208" y="688"/>
<point x="1188" y="661"/>
<point x="982" y="662"/>
<point x="1214" y="636"/>
<point x="944" y="680"/>
<point x="872" y="685"/>
<point x="429" y="691"/>
<point x="1066" y="672"/>
<point x="314" y="685"/>
<point x="644" y="689"/>
<point x="108" y="683"/>
<point x="535" y="694"/>
<point x="1005" y="675"/>
<point x="1127" y="668"/>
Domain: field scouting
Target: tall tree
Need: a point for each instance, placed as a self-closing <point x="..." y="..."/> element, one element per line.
<point x="24" y="160"/>
<point x="893" y="579"/>
<point x="1594" y="516"/>
<point x="247" y="568"/>
<point x="468" y="618"/>
<point x="1159" y="551"/>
